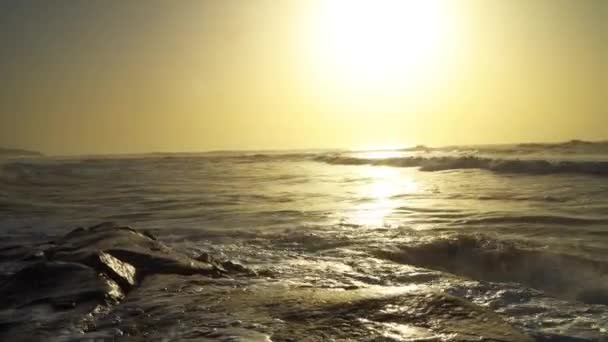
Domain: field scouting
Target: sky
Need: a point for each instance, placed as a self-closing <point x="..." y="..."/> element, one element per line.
<point x="127" y="76"/>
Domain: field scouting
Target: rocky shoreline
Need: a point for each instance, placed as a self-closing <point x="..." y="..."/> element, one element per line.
<point x="112" y="282"/>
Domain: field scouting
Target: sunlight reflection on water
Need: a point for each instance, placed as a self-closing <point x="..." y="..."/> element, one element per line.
<point x="384" y="184"/>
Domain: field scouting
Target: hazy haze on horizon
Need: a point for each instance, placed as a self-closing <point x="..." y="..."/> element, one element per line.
<point x="143" y="76"/>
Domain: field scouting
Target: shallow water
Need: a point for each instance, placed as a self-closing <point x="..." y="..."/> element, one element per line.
<point x="521" y="229"/>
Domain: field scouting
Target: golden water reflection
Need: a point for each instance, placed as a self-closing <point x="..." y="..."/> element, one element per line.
<point x="380" y="194"/>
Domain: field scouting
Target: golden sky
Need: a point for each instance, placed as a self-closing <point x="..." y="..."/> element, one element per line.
<point x="143" y="76"/>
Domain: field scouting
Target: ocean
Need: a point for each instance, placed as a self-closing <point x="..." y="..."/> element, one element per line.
<point x="519" y="229"/>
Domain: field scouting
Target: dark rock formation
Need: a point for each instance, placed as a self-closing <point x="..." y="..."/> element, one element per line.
<point x="84" y="269"/>
<point x="49" y="281"/>
<point x="126" y="255"/>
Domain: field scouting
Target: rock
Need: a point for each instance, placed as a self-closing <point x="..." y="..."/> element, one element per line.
<point x="152" y="263"/>
<point x="58" y="283"/>
<point x="124" y="247"/>
<point x="205" y="257"/>
<point x="232" y="266"/>
<point x="61" y="283"/>
<point x="121" y="272"/>
<point x="148" y="234"/>
<point x="38" y="300"/>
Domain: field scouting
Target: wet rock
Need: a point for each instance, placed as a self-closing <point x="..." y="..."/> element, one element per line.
<point x="228" y="266"/>
<point x="117" y="249"/>
<point x="232" y="266"/>
<point x="205" y="257"/>
<point x="148" y="234"/>
<point x="121" y="272"/>
<point x="61" y="284"/>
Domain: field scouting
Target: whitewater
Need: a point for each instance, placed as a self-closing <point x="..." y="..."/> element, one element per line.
<point x="520" y="230"/>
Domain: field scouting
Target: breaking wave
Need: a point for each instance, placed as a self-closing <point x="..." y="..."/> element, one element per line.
<point x="443" y="163"/>
<point x="569" y="147"/>
<point x="485" y="259"/>
<point x="533" y="219"/>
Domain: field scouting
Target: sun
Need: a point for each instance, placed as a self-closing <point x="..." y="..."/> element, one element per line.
<point x="381" y="44"/>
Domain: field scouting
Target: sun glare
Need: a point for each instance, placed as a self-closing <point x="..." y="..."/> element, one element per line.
<point x="385" y="183"/>
<point x="386" y="43"/>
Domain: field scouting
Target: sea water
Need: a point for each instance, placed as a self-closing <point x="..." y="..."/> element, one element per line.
<point x="520" y="229"/>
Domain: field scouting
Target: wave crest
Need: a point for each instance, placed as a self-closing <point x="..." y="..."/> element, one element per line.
<point x="537" y="167"/>
<point x="482" y="258"/>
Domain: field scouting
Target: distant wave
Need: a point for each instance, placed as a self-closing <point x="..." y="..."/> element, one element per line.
<point x="485" y="259"/>
<point x="15" y="152"/>
<point x="417" y="148"/>
<point x="569" y="144"/>
<point x="267" y="157"/>
<point x="568" y="147"/>
<point x="443" y="163"/>
<point x="70" y="170"/>
<point x="534" y="219"/>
